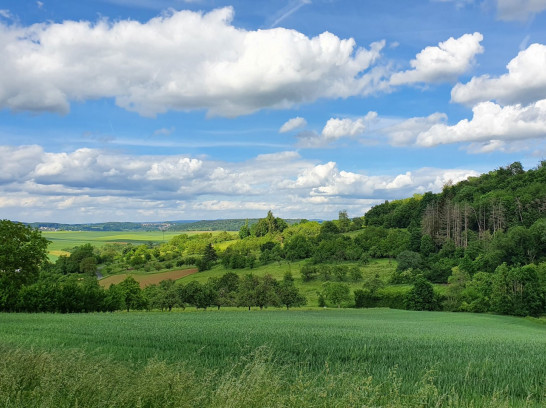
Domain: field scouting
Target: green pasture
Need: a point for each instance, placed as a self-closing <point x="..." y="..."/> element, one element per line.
<point x="382" y="267"/>
<point x="430" y="358"/>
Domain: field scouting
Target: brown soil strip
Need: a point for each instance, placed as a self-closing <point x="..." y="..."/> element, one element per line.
<point x="147" y="280"/>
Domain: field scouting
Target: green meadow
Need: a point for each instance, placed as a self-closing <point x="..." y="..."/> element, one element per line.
<point x="63" y="241"/>
<point x="381" y="267"/>
<point x="323" y="358"/>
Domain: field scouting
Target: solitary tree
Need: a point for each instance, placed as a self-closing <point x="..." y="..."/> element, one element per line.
<point x="209" y="257"/>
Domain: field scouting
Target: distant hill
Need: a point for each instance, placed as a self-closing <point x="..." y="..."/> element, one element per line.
<point x="220" y="225"/>
<point x="107" y="226"/>
<point x="180" y="225"/>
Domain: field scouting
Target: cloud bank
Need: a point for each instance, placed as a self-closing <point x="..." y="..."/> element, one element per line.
<point x="103" y="185"/>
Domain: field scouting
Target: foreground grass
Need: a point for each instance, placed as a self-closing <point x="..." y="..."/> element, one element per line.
<point x="272" y="358"/>
<point x="45" y="379"/>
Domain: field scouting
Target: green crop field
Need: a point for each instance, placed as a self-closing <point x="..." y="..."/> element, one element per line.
<point x="326" y="358"/>
<point x="65" y="240"/>
<point x="61" y="240"/>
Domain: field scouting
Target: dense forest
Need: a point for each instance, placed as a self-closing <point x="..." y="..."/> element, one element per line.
<point x="478" y="246"/>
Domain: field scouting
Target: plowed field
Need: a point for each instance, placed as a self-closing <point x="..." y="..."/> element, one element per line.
<point x="147" y="280"/>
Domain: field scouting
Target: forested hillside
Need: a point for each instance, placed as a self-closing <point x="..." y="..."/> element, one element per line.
<point x="501" y="199"/>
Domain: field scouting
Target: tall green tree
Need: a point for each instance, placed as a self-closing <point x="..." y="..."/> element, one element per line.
<point x="244" y="231"/>
<point x="131" y="294"/>
<point x="289" y="294"/>
<point x="517" y="291"/>
<point x="247" y="292"/>
<point x="267" y="292"/>
<point x="23" y="251"/>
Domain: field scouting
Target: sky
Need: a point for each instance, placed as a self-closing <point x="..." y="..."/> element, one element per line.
<point x="156" y="110"/>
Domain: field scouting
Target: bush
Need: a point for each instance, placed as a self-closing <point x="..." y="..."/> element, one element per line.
<point x="421" y="296"/>
<point x="308" y="272"/>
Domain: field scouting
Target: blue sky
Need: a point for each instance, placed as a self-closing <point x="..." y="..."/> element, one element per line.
<point x="142" y="110"/>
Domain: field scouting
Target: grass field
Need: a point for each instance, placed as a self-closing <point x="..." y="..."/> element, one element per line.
<point x="61" y="241"/>
<point x="326" y="358"/>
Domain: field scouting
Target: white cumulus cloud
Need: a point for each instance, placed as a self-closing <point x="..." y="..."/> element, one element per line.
<point x="405" y="132"/>
<point x="491" y="122"/>
<point x="445" y="62"/>
<point x="525" y="81"/>
<point x="335" y="129"/>
<point x="182" y="61"/>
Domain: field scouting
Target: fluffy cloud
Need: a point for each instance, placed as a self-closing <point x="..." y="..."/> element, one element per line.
<point x="292" y="124"/>
<point x="336" y="129"/>
<point x="179" y="61"/>
<point x="491" y="122"/>
<point x="101" y="185"/>
<point x="404" y="133"/>
<point x="519" y="10"/>
<point x="525" y="81"/>
<point x="445" y="62"/>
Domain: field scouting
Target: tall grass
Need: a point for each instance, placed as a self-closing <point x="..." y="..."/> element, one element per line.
<point x="276" y="358"/>
<point x="30" y="378"/>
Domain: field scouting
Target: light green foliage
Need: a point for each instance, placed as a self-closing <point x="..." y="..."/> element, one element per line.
<point x="308" y="229"/>
<point x="268" y="225"/>
<point x="336" y="292"/>
<point x="454" y="293"/>
<point x="477" y="294"/>
<point x="244" y="231"/>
